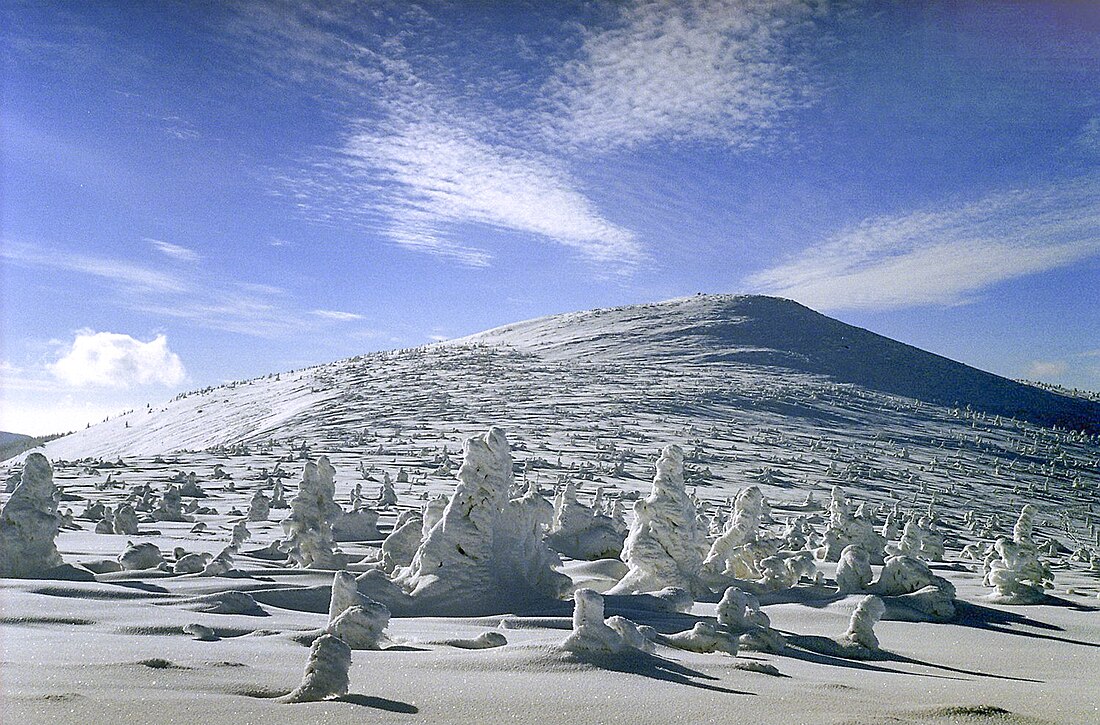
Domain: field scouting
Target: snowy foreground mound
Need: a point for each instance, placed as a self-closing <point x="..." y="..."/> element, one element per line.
<point x="690" y="532"/>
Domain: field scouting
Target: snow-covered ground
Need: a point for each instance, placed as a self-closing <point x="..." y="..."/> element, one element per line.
<point x="755" y="391"/>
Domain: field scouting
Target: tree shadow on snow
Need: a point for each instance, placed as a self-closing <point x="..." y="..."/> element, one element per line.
<point x="380" y="703"/>
<point x="977" y="616"/>
<point x="823" y="650"/>
<point x="654" y="668"/>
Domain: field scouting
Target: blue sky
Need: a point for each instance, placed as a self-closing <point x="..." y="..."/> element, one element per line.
<point x="200" y="192"/>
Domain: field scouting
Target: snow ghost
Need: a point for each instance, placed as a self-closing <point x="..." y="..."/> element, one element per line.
<point x="29" y="523"/>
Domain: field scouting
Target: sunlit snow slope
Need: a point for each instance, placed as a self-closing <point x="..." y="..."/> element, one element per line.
<point x="755" y="362"/>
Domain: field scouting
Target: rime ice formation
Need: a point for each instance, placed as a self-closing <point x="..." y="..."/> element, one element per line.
<point x="739" y="613"/>
<point x="860" y="635"/>
<point x="326" y="672"/>
<point x="1016" y="573"/>
<point x="170" y="507"/>
<point x="223" y="562"/>
<point x="358" y="620"/>
<point x="580" y="532"/>
<point x="591" y="635"/>
<point x="259" y="507"/>
<point x="853" y="571"/>
<point x="400" y="546"/>
<point x="665" y="545"/>
<point x="485" y="553"/>
<point x="739" y="553"/>
<point x="191" y="563"/>
<point x="358" y="525"/>
<point x="1025" y="524"/>
<point x="846" y="528"/>
<point x="919" y="539"/>
<point x="145" y="555"/>
<point x="388" y="497"/>
<point x="126" y="521"/>
<point x="703" y="637"/>
<point x="786" y="569"/>
<point x="29" y="523"/>
<point x="309" y="541"/>
<point x="907" y="581"/>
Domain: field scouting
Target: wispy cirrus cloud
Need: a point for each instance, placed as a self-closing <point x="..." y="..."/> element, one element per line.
<point x="175" y="251"/>
<point x="336" y="315"/>
<point x="129" y="275"/>
<point x="713" y="70"/>
<point x="436" y="176"/>
<point x="436" y="152"/>
<point x="206" y="298"/>
<point x="945" y="256"/>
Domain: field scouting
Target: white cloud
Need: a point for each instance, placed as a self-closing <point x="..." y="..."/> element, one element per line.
<point x="944" y="257"/>
<point x="174" y="251"/>
<point x="118" y="361"/>
<point x="438" y="176"/>
<point x="336" y="315"/>
<point x="721" y="70"/>
<point x="133" y="277"/>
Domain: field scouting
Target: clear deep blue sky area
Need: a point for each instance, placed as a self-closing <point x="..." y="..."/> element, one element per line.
<point x="195" y="192"/>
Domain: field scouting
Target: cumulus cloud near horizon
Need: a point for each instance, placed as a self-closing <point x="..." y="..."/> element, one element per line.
<point x="116" y="360"/>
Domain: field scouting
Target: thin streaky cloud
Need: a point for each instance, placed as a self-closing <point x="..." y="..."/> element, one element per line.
<point x="131" y="276"/>
<point x="439" y="176"/>
<point x="336" y="315"/>
<point x="175" y="251"/>
<point x="946" y="256"/>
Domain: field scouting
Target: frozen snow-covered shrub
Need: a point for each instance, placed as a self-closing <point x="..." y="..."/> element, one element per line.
<point x="487" y="550"/>
<point x="400" y="546"/>
<point x="191" y="563"/>
<point x="904" y="575"/>
<point x="919" y="539"/>
<point x="29" y="523"/>
<point x="106" y="525"/>
<point x="309" y="541"/>
<point x="126" y="521"/>
<point x="170" y="507"/>
<point x="796" y="533"/>
<point x="145" y="555"/>
<point x="665" y="545"/>
<point x="326" y="672"/>
<point x="358" y="525"/>
<point x="846" y="528"/>
<point x="590" y="633"/>
<point x="860" y="632"/>
<point x="853" y="571"/>
<point x="1016" y="573"/>
<point x="580" y="532"/>
<point x="739" y="613"/>
<point x="786" y="569"/>
<point x="908" y="582"/>
<point x="731" y="554"/>
<point x="259" y="508"/>
<point x="703" y="637"/>
<point x="278" y="497"/>
<point x="388" y="496"/>
<point x="1025" y="524"/>
<point x="631" y="634"/>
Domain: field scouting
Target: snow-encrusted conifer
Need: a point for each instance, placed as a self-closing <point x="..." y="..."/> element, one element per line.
<point x="665" y="545"/>
<point x="29" y="523"/>
<point x="326" y="672"/>
<point x="308" y="528"/>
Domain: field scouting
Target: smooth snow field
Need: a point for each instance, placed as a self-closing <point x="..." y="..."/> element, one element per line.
<point x="762" y="515"/>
